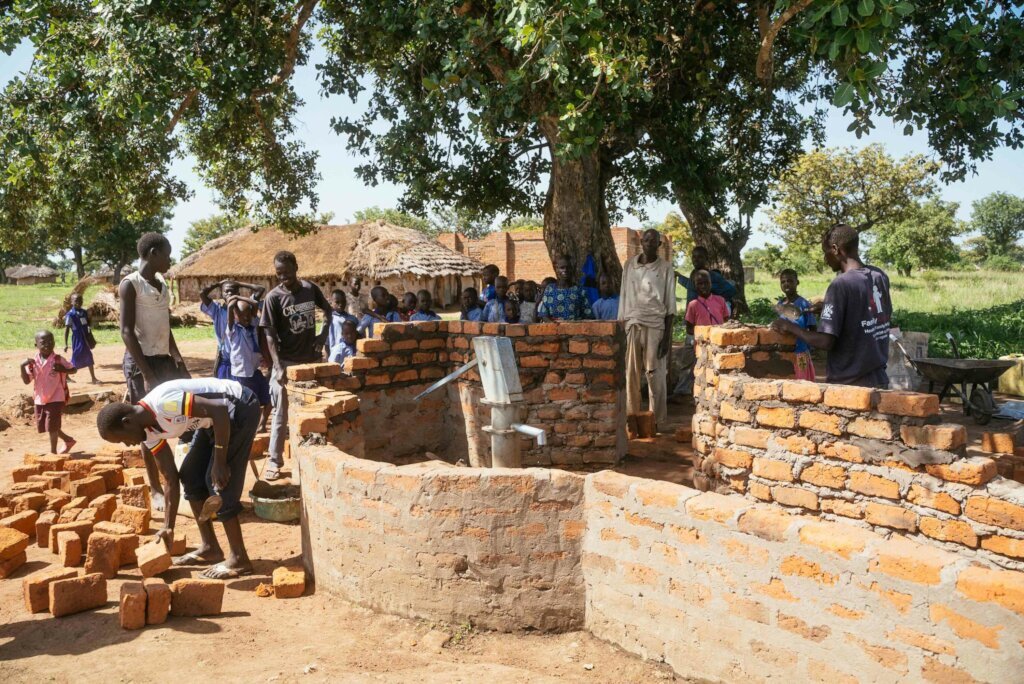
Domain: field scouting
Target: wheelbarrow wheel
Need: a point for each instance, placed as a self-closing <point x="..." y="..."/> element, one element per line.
<point x="983" y="407"/>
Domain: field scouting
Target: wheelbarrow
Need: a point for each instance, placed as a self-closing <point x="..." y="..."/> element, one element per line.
<point x="970" y="379"/>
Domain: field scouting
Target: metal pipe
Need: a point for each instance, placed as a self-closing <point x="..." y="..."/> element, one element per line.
<point x="536" y="433"/>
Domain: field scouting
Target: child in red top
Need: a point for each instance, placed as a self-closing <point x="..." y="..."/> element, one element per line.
<point x="707" y="308"/>
<point x="48" y="372"/>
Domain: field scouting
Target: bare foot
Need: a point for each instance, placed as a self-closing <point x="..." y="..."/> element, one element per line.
<point x="68" y="445"/>
<point x="156" y="500"/>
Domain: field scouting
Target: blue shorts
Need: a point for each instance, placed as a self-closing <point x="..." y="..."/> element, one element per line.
<point x="195" y="469"/>
<point x="259" y="385"/>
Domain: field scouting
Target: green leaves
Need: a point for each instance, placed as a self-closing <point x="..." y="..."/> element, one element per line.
<point x="844" y="95"/>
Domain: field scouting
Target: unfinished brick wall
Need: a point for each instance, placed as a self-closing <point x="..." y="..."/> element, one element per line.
<point x="879" y="457"/>
<point x="727" y="589"/>
<point x="572" y="376"/>
<point x="495" y="546"/>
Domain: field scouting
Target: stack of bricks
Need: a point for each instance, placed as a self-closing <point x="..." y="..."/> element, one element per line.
<point x="573" y="387"/>
<point x="879" y="457"/>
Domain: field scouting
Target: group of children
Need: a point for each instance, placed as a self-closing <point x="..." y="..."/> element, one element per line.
<point x="556" y="299"/>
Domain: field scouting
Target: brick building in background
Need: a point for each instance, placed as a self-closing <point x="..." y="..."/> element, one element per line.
<point x="522" y="254"/>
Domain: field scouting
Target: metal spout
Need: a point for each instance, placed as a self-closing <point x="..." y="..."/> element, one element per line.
<point x="540" y="435"/>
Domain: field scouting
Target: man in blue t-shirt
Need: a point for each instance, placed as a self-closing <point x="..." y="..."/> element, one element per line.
<point x="855" y="316"/>
<point x="719" y="285"/>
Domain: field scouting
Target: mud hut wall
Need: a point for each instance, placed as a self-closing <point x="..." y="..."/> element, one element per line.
<point x="881" y="458"/>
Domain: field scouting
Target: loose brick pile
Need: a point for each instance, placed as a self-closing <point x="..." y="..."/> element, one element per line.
<point x="879" y="457"/>
<point x="573" y="386"/>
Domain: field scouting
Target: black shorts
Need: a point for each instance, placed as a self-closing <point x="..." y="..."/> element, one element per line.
<point x="195" y="469"/>
<point x="49" y="416"/>
<point x="164" y="368"/>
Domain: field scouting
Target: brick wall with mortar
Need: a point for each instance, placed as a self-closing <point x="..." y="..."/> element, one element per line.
<point x="728" y="589"/>
<point x="881" y="458"/>
<point x="573" y="386"/>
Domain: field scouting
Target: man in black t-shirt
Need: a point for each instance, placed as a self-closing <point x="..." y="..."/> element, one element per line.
<point x="289" y="325"/>
<point x="855" y="316"/>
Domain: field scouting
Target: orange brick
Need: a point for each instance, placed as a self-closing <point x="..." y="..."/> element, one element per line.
<point x="797" y="444"/>
<point x="965" y="628"/>
<point x="1005" y="587"/>
<point x="766" y="524"/>
<point x="845" y="613"/>
<point x="995" y="512"/>
<point x="1005" y="546"/>
<point x="792" y="496"/>
<point x="873" y="485"/>
<point x="132" y="609"/>
<point x="847" y="509"/>
<point x="733" y="458"/>
<point x="24" y="522"/>
<point x="940" y="501"/>
<point x="733" y="337"/>
<point x="907" y="560"/>
<point x="302" y="372"/>
<point x="976" y="470"/>
<point x="659" y="493"/>
<point x="822" y="422"/>
<point x="840" y="539"/>
<point x="844" y="451"/>
<point x="760" y="491"/>
<point x="885" y="656"/>
<point x="729" y="411"/>
<point x="849" y="397"/>
<point x="747" y="609"/>
<point x="900" y="601"/>
<point x="870" y="428"/>
<point x="773" y="470"/>
<point x="769" y="337"/>
<point x="776" y="417"/>
<point x="937" y="672"/>
<point x="751" y="437"/>
<point x="890" y="516"/>
<point x="370" y="346"/>
<point x="999" y="442"/>
<point x="791" y="623"/>
<point x="196" y="597"/>
<point x="801" y="391"/>
<point x="734" y="361"/>
<point x="775" y="589"/>
<point x="563" y="394"/>
<point x="760" y="391"/>
<point x="928" y="643"/>
<point x="803" y="567"/>
<point x="908" y="404"/>
<point x="75" y="594"/>
<point x="634" y="573"/>
<point x="947" y="437"/>
<point x="956" y="531"/>
<point x="717" y="507"/>
<point x="727" y="384"/>
<point x="824" y="475"/>
<point x="36" y="587"/>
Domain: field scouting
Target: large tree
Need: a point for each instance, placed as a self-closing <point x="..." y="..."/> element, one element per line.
<point x="117" y="246"/>
<point x="494" y="107"/>
<point x="865" y="188"/>
<point x="923" y="239"/>
<point x="999" y="218"/>
<point x="202" y="231"/>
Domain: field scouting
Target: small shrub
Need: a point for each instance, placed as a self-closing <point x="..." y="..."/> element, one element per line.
<point x="1000" y="262"/>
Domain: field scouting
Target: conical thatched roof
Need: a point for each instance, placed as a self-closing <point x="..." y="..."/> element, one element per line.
<point x="372" y="250"/>
<point x="17" y="272"/>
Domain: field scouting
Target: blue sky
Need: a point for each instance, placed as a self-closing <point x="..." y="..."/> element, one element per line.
<point x="342" y="192"/>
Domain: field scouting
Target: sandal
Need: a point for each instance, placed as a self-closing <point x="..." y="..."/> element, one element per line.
<point x="223" y="572"/>
<point x="193" y="558"/>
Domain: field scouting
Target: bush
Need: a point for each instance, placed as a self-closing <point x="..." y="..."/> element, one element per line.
<point x="1001" y="262"/>
<point x="981" y="333"/>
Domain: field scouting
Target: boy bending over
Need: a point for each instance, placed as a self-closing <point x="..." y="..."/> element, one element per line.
<point x="224" y="416"/>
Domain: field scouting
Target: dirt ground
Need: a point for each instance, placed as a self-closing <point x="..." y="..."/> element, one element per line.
<point x="314" y="638"/>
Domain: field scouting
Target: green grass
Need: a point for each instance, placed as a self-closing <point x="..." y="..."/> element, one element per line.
<point x="984" y="310"/>
<point x="26" y="309"/>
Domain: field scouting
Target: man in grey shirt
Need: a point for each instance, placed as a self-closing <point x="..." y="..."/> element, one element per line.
<point x="854" y="323"/>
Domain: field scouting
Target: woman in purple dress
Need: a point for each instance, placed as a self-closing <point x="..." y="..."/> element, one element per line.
<point x="76" y="322"/>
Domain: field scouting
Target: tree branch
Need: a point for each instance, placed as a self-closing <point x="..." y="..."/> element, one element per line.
<point x="763" y="68"/>
<point x="182" y="108"/>
<point x="291" y="47"/>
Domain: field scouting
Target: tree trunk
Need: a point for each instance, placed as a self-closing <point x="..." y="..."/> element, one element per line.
<point x="724" y="246"/>
<point x="575" y="213"/>
<point x="76" y="250"/>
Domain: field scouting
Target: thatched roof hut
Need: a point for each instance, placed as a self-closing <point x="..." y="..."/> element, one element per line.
<point x="377" y="252"/>
<point x="30" y="275"/>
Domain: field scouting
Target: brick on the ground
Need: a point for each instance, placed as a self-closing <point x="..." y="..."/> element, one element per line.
<point x="289" y="581"/>
<point x="37" y="587"/>
<point x="24" y="522"/>
<point x="128" y="541"/>
<point x="196" y="597"/>
<point x="56" y="500"/>
<point x="74" y="595"/>
<point x="132" y="610"/>
<point x="12" y="543"/>
<point x="180" y="544"/>
<point x="89" y="487"/>
<point x="103" y="555"/>
<point x="77" y="502"/>
<point x="43" y="523"/>
<point x="90" y="514"/>
<point x="132" y="516"/>
<point x="153" y="558"/>
<point x="69" y="549"/>
<point x="135" y="495"/>
<point x="22" y="473"/>
<point x="158" y="600"/>
<point x="113" y="475"/>
<point x="106" y="505"/>
<point x="78" y="468"/>
<point x="10" y="565"/>
<point x="68" y="515"/>
<point x="82" y="527"/>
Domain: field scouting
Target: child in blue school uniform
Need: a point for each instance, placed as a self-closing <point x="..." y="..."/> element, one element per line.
<point x="242" y="346"/>
<point x="382" y="311"/>
<point x="339" y="304"/>
<point x="424" y="310"/>
<point x="494" y="310"/>
<point x="606" y="307"/>
<point x="76" y="322"/>
<point x="471" y="309"/>
<point x="803" y="364"/>
<point x="346" y="344"/>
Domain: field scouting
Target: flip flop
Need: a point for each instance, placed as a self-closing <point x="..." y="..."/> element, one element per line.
<point x="223" y="572"/>
<point x="68" y="446"/>
<point x="193" y="558"/>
